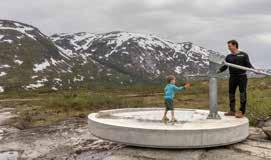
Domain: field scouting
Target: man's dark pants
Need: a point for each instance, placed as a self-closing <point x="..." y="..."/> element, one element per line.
<point x="241" y="82"/>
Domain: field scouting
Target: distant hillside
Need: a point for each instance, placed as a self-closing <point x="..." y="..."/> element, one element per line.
<point x="31" y="60"/>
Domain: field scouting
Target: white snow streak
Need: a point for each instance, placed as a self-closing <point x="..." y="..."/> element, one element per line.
<point x="178" y="69"/>
<point x="20" y="28"/>
<point x="42" y="66"/>
<point x="1" y="89"/>
<point x="18" y="61"/>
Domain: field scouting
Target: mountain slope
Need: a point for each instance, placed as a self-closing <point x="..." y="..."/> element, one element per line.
<point x="30" y="60"/>
<point x="144" y="56"/>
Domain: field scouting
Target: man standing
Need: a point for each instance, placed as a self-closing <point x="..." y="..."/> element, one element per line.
<point x="238" y="78"/>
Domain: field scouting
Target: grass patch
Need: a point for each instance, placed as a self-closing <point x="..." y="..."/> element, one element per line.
<point x="56" y="106"/>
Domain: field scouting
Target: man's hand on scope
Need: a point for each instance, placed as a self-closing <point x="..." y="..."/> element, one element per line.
<point x="259" y="71"/>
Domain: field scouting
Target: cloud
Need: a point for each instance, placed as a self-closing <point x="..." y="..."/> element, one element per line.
<point x="264" y="38"/>
<point x="209" y="23"/>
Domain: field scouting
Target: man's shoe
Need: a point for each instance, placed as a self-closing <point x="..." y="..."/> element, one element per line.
<point x="230" y="113"/>
<point x="239" y="114"/>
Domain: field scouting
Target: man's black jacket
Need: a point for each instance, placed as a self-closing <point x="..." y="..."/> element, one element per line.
<point x="241" y="59"/>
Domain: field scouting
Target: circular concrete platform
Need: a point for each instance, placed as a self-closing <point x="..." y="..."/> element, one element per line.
<point x="143" y="127"/>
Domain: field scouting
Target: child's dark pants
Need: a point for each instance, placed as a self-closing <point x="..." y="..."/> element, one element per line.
<point x="169" y="104"/>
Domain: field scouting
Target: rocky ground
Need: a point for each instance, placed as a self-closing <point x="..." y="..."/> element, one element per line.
<point x="71" y="140"/>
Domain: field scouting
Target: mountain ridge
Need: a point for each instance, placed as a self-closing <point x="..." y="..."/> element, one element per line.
<point x="32" y="60"/>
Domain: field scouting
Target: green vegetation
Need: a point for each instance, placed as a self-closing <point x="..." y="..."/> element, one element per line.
<point x="56" y="106"/>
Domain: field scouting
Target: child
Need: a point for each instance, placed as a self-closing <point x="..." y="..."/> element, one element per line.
<point x="170" y="90"/>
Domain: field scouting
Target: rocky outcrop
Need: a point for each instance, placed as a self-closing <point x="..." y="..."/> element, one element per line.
<point x="267" y="131"/>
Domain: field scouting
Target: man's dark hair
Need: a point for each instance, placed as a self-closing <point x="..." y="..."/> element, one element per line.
<point x="234" y="42"/>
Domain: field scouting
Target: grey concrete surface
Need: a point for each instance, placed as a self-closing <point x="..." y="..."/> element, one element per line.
<point x="143" y="127"/>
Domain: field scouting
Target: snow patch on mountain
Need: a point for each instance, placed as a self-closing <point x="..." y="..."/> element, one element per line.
<point x="55" y="62"/>
<point x="38" y="84"/>
<point x="20" y="28"/>
<point x="1" y="89"/>
<point x="3" y="40"/>
<point x="178" y="70"/>
<point x="34" y="77"/>
<point x="41" y="66"/>
<point x="79" y="78"/>
<point x="57" y="79"/>
<point x="19" y="62"/>
<point x="4" y="66"/>
<point x="54" y="88"/>
<point x="8" y="41"/>
<point x="2" y="74"/>
<point x="67" y="53"/>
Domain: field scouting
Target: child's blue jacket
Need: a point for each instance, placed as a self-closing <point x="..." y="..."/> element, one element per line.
<point x="170" y="90"/>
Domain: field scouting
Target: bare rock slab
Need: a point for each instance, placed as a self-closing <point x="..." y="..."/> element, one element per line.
<point x="267" y="131"/>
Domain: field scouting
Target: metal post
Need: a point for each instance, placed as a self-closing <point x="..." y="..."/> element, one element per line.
<point x="213" y="114"/>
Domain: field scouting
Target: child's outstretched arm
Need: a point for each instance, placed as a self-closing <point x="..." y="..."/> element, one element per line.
<point x="181" y="88"/>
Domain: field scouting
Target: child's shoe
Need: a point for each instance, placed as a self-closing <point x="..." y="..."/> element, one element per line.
<point x="165" y="120"/>
<point x="173" y="121"/>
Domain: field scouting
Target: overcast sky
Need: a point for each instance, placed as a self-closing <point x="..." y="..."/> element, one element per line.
<point x="208" y="23"/>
